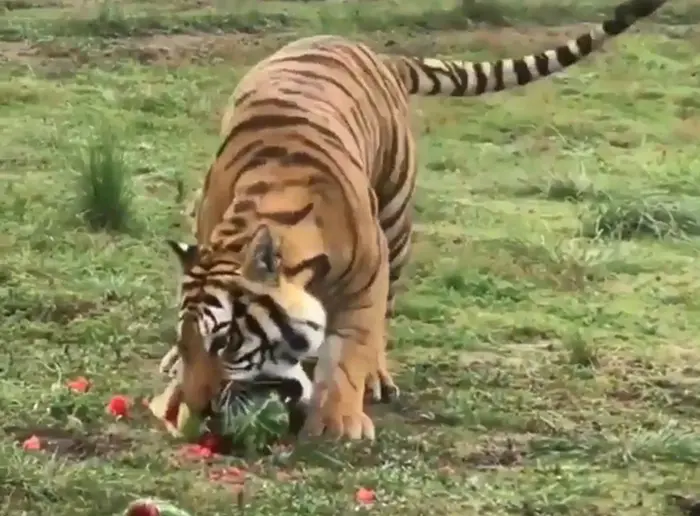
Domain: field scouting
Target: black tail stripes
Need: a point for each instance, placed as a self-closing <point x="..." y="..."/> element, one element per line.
<point x="427" y="76"/>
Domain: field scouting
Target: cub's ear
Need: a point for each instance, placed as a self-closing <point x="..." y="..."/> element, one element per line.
<point x="261" y="261"/>
<point x="186" y="253"/>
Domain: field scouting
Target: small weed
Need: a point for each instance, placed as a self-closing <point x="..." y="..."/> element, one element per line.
<point x="104" y="186"/>
<point x="581" y="352"/>
<point x="109" y="19"/>
<point x="577" y="262"/>
<point x="566" y="189"/>
<point x="562" y="262"/>
<point x="483" y="11"/>
<point x="626" y="220"/>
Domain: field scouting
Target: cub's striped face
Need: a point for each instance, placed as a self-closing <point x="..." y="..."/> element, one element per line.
<point x="241" y="321"/>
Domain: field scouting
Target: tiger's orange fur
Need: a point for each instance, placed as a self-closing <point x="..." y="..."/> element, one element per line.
<point x="305" y="216"/>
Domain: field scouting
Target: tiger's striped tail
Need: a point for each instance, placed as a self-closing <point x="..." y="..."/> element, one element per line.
<point x="428" y="76"/>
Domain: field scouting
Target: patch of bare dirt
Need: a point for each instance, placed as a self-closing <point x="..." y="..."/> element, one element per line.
<point x="85" y="7"/>
<point x="62" y="309"/>
<point x="503" y="41"/>
<point x="46" y="64"/>
<point x="172" y="50"/>
<point x="196" y="48"/>
<point x="668" y="384"/>
<point x="242" y="49"/>
<point x="70" y="444"/>
<point x="16" y="5"/>
<point x="493" y="453"/>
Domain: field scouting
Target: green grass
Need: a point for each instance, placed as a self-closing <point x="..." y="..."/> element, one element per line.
<point x="546" y="340"/>
<point x="107" y="18"/>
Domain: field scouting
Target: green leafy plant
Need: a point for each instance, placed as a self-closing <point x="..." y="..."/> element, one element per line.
<point x="104" y="185"/>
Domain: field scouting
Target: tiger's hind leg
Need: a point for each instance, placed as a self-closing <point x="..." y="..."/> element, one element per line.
<point x="380" y="382"/>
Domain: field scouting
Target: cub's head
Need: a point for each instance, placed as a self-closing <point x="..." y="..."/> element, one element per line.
<point x="240" y="319"/>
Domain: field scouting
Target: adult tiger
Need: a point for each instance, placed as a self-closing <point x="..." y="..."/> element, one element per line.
<point x="304" y="222"/>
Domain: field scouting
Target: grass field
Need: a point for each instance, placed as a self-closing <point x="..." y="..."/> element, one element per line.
<point x="546" y="343"/>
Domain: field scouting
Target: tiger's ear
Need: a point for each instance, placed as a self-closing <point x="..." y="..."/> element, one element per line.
<point x="261" y="263"/>
<point x="186" y="253"/>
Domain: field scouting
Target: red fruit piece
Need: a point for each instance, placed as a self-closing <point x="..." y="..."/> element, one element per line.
<point x="195" y="452"/>
<point x="365" y="496"/>
<point x="143" y="509"/>
<point x="210" y="441"/>
<point x="79" y="384"/>
<point x="227" y="475"/>
<point x="32" y="443"/>
<point x="118" y="406"/>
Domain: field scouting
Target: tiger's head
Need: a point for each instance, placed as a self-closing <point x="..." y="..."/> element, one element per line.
<point x="241" y="320"/>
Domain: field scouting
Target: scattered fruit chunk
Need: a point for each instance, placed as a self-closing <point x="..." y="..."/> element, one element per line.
<point x="178" y="420"/>
<point x="365" y="496"/>
<point x="195" y="452"/>
<point x="153" y="507"/>
<point x="32" y="443"/>
<point x="118" y="406"/>
<point x="79" y="384"/>
<point x="227" y="475"/>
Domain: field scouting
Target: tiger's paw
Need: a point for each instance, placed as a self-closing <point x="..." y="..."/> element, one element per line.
<point x="352" y="426"/>
<point x="339" y="419"/>
<point x="390" y="392"/>
<point x="382" y="388"/>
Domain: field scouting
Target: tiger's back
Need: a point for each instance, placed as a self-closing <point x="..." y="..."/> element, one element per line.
<point x="356" y="109"/>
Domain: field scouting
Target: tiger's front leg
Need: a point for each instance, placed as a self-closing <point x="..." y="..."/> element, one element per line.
<point x="349" y="356"/>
